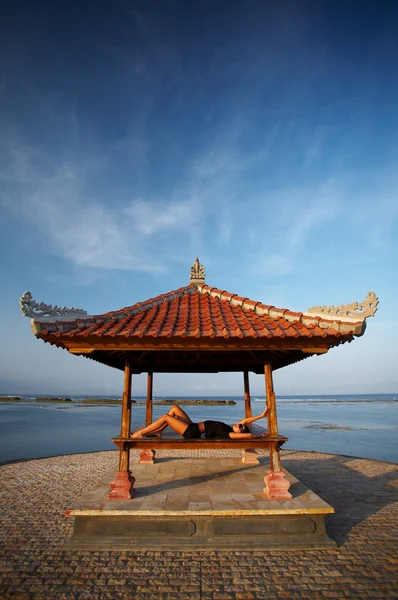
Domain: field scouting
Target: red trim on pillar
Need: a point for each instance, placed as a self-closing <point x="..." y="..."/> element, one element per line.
<point x="276" y="486"/>
<point x="147" y="457"/>
<point x="122" y="486"/>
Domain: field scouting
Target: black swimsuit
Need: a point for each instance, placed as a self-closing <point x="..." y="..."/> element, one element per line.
<point x="213" y="429"/>
<point x="217" y="429"/>
<point x="192" y="432"/>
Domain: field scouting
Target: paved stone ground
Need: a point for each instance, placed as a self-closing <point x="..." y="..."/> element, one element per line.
<point x="34" y="564"/>
<point x="199" y="485"/>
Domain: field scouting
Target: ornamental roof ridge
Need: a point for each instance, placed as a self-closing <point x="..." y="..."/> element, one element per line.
<point x="47" y="312"/>
<point x="321" y="320"/>
<point x="356" y="311"/>
<point x="254" y="305"/>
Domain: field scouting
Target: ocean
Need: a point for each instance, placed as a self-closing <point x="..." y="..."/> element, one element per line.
<point x="364" y="426"/>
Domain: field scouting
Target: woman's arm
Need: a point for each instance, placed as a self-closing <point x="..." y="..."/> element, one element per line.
<point x="252" y="419"/>
<point x="246" y="436"/>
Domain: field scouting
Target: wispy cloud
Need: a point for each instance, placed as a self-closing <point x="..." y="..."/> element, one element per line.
<point x="311" y="213"/>
<point x="152" y="218"/>
<point x="57" y="200"/>
<point x="58" y="196"/>
<point x="209" y="208"/>
<point x="273" y="264"/>
<point x="299" y="213"/>
<point x="316" y="146"/>
<point x="376" y="210"/>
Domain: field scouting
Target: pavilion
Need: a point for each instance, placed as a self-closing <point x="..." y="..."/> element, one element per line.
<point x="198" y="329"/>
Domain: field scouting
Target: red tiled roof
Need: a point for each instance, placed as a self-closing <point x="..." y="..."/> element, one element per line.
<point x="203" y="312"/>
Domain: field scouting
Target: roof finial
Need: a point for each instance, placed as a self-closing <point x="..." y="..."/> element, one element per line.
<point x="197" y="273"/>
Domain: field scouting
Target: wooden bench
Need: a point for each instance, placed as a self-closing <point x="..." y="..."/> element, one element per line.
<point x="171" y="443"/>
<point x="169" y="440"/>
<point x="149" y="445"/>
<point x="123" y="483"/>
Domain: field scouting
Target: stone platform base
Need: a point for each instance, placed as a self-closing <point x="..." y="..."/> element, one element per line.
<point x="200" y="504"/>
<point x="194" y="532"/>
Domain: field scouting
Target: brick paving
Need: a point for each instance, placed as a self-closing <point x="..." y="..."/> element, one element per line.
<point x="34" y="564"/>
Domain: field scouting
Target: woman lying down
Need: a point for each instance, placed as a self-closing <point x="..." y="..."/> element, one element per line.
<point x="178" y="420"/>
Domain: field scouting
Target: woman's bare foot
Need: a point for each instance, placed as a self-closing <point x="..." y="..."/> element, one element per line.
<point x="136" y="435"/>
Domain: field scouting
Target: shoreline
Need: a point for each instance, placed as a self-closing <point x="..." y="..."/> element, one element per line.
<point x="105" y="401"/>
<point x="163" y="402"/>
<point x="197" y="400"/>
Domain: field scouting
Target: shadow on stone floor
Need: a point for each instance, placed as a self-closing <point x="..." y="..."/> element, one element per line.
<point x="185" y="482"/>
<point x="343" y="483"/>
<point x="165" y="459"/>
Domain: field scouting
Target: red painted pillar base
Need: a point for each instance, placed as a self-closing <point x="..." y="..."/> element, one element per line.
<point x="250" y="457"/>
<point x="276" y="486"/>
<point x="122" y="487"/>
<point x="147" y="457"/>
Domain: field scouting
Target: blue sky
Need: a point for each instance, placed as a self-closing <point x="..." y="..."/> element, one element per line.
<point x="260" y="135"/>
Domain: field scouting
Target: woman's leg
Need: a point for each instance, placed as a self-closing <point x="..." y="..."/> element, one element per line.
<point x="178" y="413"/>
<point x="176" y="424"/>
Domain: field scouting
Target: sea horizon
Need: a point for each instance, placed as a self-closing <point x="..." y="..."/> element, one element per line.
<point x="369" y="397"/>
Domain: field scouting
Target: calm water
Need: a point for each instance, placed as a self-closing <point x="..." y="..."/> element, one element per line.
<point x="363" y="426"/>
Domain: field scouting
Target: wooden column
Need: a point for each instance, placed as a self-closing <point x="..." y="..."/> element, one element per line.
<point x="248" y="408"/>
<point x="123" y="484"/>
<point x="271" y="404"/>
<point x="148" y="415"/>
<point x="249" y="456"/>
<point x="147" y="456"/>
<point x="276" y="484"/>
<point x="126" y="406"/>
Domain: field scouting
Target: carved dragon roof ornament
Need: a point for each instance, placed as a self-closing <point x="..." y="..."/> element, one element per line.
<point x="34" y="310"/>
<point x="364" y="309"/>
<point x="197" y="273"/>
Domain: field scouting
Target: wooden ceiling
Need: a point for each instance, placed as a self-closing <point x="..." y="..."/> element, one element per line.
<point x="182" y="361"/>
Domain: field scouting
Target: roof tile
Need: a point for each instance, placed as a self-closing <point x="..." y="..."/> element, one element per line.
<point x="205" y="312"/>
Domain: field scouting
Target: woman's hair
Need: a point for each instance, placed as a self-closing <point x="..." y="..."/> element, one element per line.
<point x="243" y="428"/>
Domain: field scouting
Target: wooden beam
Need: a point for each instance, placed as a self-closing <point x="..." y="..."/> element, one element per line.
<point x="125" y="426"/>
<point x="248" y="408"/>
<point x="197" y="344"/>
<point x="148" y="414"/>
<point x="276" y="484"/>
<point x="271" y="404"/>
<point x="316" y="350"/>
<point x="81" y="350"/>
<point x="122" y="486"/>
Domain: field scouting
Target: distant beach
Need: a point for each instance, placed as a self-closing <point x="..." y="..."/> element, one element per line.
<point x="110" y="401"/>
